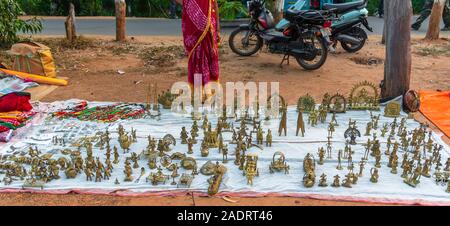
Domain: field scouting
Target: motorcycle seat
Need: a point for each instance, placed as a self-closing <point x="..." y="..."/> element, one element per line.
<point x="344" y="7"/>
<point x="291" y="14"/>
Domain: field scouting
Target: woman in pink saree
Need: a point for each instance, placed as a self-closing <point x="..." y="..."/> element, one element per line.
<point x="200" y="23"/>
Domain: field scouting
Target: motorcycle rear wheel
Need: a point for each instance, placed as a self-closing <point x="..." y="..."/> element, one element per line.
<point x="314" y="63"/>
<point x="358" y="33"/>
<point x="249" y="47"/>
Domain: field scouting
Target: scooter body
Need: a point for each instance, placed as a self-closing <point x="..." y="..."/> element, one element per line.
<point x="344" y="19"/>
<point x="346" y="28"/>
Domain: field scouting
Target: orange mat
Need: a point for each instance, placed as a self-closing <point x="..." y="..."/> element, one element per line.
<point x="436" y="107"/>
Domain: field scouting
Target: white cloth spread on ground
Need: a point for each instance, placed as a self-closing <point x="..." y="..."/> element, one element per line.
<point x="389" y="187"/>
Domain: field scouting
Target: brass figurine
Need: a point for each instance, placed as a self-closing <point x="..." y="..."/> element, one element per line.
<point x="279" y="163"/>
<point x="323" y="180"/>
<point x="374" y="175"/>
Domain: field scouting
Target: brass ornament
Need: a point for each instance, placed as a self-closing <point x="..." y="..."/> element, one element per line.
<point x="279" y="163"/>
<point x="364" y="96"/>
<point x="337" y="104"/>
<point x="306" y="103"/>
<point x="392" y="109"/>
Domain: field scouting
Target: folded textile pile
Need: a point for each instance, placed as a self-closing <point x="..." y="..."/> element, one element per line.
<point x="10" y="84"/>
<point x="109" y="113"/>
<point x="15" y="111"/>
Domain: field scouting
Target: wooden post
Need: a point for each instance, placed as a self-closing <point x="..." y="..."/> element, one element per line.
<point x="397" y="68"/>
<point x="120" y="20"/>
<point x="71" y="32"/>
<point x="435" y="20"/>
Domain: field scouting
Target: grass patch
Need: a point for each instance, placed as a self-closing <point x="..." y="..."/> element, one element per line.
<point x="162" y="56"/>
<point x="434" y="50"/>
<point x="60" y="44"/>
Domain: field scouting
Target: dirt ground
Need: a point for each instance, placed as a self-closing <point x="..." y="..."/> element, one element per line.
<point x="92" y="64"/>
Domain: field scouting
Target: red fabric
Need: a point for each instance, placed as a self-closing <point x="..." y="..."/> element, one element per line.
<point x="202" y="51"/>
<point x="17" y="101"/>
<point x="315" y="4"/>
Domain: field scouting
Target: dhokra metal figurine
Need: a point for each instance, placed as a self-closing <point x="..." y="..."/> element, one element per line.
<point x="306" y="103"/>
<point x="339" y="166"/>
<point x="204" y="149"/>
<point x="338" y="104"/>
<point x="392" y="109"/>
<point x="352" y="132"/>
<point x="225" y="154"/>
<point x="251" y="168"/>
<point x="313" y="117"/>
<point x="364" y="96"/>
<point x="309" y="166"/>
<point x="368" y="129"/>
<point x="384" y="130"/>
<point x="128" y="171"/>
<point x="323" y="180"/>
<point x="269" y="138"/>
<point x="426" y="168"/>
<point x="326" y="100"/>
<point x="321" y="154"/>
<point x="414" y="179"/>
<point x="347" y="182"/>
<point x="374" y="175"/>
<point x="361" y="168"/>
<point x="300" y="124"/>
<point x="216" y="179"/>
<point x="260" y="136"/>
<point x="323" y="112"/>
<point x="183" y="135"/>
<point x="279" y="163"/>
<point x="336" y="181"/>
<point x="157" y="178"/>
<point x="334" y="120"/>
<point x="331" y="129"/>
<point x="329" y="148"/>
<point x="283" y="121"/>
<point x="185" y="180"/>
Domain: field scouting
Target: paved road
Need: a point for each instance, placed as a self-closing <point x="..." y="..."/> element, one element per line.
<point x="152" y="26"/>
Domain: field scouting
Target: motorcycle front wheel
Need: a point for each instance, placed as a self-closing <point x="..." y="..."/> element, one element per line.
<point x="358" y="33"/>
<point x="245" y="42"/>
<point x="318" y="53"/>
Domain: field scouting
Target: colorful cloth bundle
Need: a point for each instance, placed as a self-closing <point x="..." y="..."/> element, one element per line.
<point x="15" y="111"/>
<point x="110" y="113"/>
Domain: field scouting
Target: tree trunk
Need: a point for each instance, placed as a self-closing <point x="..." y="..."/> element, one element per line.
<point x="435" y="20"/>
<point x="385" y="5"/>
<point x="71" y="33"/>
<point x="120" y="20"/>
<point x="278" y="7"/>
<point x="397" y="68"/>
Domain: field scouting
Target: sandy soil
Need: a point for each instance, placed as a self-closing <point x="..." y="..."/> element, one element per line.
<point x="92" y="70"/>
<point x="27" y="199"/>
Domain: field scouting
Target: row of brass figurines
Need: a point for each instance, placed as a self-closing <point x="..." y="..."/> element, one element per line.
<point x="420" y="153"/>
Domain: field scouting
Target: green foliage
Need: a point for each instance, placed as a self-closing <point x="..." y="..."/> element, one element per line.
<point x="230" y="10"/>
<point x="372" y="6"/>
<point x="11" y="24"/>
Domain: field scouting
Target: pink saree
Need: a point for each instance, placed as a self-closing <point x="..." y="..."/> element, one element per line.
<point x="201" y="39"/>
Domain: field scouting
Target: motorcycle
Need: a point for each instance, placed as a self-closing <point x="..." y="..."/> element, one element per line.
<point x="346" y="29"/>
<point x="306" y="37"/>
